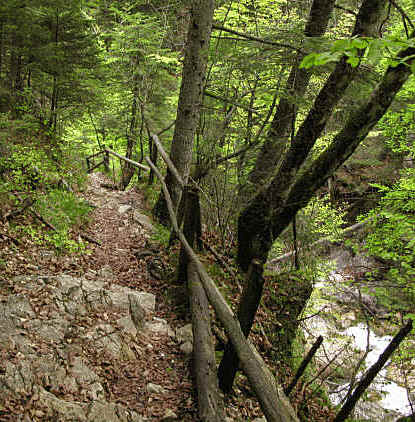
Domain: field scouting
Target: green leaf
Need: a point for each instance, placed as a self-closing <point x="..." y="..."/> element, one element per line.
<point x="353" y="61"/>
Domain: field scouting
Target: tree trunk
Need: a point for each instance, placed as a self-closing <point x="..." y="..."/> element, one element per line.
<point x="272" y="399"/>
<point x="246" y="312"/>
<point x="128" y="170"/>
<point x="192" y="229"/>
<point x="272" y="210"/>
<point x="372" y="372"/>
<point x="211" y="407"/>
<point x="190" y="99"/>
<point x="281" y="126"/>
<point x="254" y="226"/>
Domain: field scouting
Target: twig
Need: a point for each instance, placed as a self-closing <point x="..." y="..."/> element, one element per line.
<point x="90" y="239"/>
<point x="227" y="100"/>
<point x="14" y="240"/>
<point x="27" y="203"/>
<point x="345" y="9"/>
<point x="167" y="128"/>
<point x="223" y="263"/>
<point x="304" y="365"/>
<point x="252" y="38"/>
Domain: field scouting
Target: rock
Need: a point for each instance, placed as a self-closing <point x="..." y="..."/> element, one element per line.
<point x="187" y="348"/>
<point x="124" y="208"/>
<point x="155" y="388"/>
<point x="119" y="297"/>
<point x="99" y="412"/>
<point x="127" y="325"/>
<point x="143" y="221"/>
<point x="20" y="306"/>
<point x="184" y="334"/>
<point x="109" y="412"/>
<point x="96" y="391"/>
<point x="169" y="416"/>
<point x="159" y="326"/>
<point x="106" y="272"/>
<point x="137" y="311"/>
<point x="60" y="409"/>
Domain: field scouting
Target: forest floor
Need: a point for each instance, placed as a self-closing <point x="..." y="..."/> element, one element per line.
<point x="127" y="257"/>
<point x="155" y="380"/>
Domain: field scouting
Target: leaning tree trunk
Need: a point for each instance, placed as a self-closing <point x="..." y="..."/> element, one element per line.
<point x="281" y="126"/>
<point x="190" y="99"/>
<point x="270" y="212"/>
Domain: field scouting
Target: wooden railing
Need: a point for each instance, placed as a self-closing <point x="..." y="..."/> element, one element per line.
<point x="105" y="153"/>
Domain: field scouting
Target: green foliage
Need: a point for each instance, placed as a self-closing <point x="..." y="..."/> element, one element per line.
<point x="376" y="49"/>
<point x="161" y="235"/>
<point x="65" y="212"/>
<point x="391" y="238"/>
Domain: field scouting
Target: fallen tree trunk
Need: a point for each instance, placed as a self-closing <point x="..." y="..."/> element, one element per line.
<point x="211" y="407"/>
<point x="272" y="399"/>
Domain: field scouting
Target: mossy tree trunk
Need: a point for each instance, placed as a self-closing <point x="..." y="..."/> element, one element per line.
<point x="273" y="209"/>
<point x="190" y="99"/>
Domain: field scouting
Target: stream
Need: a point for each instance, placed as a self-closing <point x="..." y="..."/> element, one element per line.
<point x="346" y="338"/>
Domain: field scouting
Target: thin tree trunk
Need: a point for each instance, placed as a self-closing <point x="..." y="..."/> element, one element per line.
<point x="248" y="306"/>
<point x="190" y="99"/>
<point x="280" y="130"/>
<point x="127" y="170"/>
<point x="372" y="372"/>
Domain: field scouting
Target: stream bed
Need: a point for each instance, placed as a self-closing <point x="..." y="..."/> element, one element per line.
<point x="347" y="339"/>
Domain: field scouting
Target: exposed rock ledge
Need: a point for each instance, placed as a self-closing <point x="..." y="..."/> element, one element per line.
<point x="49" y="329"/>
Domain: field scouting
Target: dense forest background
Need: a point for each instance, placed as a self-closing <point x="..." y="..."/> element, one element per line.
<point x="291" y="124"/>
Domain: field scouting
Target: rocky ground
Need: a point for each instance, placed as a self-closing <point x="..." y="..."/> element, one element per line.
<point x="92" y="337"/>
<point x="105" y="335"/>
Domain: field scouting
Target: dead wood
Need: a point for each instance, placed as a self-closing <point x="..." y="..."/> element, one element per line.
<point x="7" y="236"/>
<point x="211" y="406"/>
<point x="272" y="399"/>
<point x="27" y="203"/>
<point x="52" y="227"/>
<point x="304" y="365"/>
<point x="372" y="372"/>
<point x="127" y="160"/>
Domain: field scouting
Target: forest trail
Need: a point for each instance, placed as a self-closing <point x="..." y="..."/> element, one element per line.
<point x="95" y="337"/>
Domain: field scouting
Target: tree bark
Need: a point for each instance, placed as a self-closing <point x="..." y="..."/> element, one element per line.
<point x="211" y="406"/>
<point x="127" y="170"/>
<point x="272" y="399"/>
<point x="280" y="130"/>
<point x="190" y="99"/>
<point x="372" y="372"/>
<point x="192" y="229"/>
<point x="255" y="230"/>
<point x="247" y="309"/>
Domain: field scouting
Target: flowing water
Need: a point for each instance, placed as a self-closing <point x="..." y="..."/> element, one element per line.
<point x="348" y="338"/>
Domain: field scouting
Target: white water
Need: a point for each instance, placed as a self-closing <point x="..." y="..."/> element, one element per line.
<point x="394" y="397"/>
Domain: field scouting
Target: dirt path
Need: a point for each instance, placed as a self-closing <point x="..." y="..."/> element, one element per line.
<point x="125" y="245"/>
<point x="81" y="358"/>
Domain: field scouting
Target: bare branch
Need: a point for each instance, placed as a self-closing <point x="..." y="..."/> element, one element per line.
<point x="252" y="38"/>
